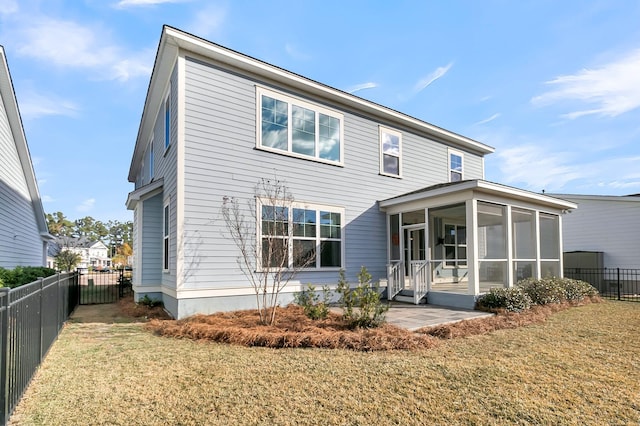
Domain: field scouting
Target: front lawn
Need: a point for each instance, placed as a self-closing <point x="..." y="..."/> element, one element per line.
<point x="579" y="367"/>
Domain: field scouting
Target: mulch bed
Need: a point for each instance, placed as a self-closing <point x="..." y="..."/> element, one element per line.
<point x="294" y="330"/>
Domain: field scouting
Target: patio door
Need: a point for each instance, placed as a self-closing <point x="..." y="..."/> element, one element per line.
<point x="416" y="264"/>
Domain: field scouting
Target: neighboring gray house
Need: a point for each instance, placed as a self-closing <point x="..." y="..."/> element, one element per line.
<point x="385" y="190"/>
<point x="23" y="226"/>
<point x="604" y="232"/>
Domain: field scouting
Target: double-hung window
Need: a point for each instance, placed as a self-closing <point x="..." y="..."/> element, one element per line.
<point x="298" y="128"/>
<point x="455" y="166"/>
<point x="455" y="245"/>
<point x="301" y="236"/>
<point x="390" y="152"/>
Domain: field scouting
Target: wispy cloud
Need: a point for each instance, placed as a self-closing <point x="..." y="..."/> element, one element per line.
<point x="295" y="53"/>
<point x="611" y="89"/>
<point x="47" y="199"/>
<point x="136" y="3"/>
<point x="537" y="168"/>
<point x="486" y="120"/>
<point x="86" y="205"/>
<point x="208" y="20"/>
<point x="35" y="105"/>
<point x="363" y="86"/>
<point x="8" y="7"/>
<point x="70" y="44"/>
<point x="427" y="80"/>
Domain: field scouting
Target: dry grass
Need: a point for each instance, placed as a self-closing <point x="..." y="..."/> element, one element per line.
<point x="581" y="366"/>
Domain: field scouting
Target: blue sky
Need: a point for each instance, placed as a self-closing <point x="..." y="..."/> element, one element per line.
<point x="554" y="86"/>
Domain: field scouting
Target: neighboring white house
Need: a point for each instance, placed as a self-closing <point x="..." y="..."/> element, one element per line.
<point x="604" y="224"/>
<point x="93" y="254"/>
<point x="373" y="187"/>
<point x="23" y="227"/>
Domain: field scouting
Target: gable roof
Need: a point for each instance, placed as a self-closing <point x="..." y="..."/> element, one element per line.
<point x="172" y="41"/>
<point x="8" y="96"/>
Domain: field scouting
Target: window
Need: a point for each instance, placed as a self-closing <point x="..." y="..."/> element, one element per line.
<point x="301" y="236"/>
<point x="455" y="245"/>
<point x="165" y="238"/>
<point x="455" y="166"/>
<point x="390" y="152"/>
<point x="167" y="120"/>
<point x="298" y="128"/>
<point x="151" y="160"/>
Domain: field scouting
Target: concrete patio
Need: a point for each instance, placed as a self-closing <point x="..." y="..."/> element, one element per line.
<point x="413" y="317"/>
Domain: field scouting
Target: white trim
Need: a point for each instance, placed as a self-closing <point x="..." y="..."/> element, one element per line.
<point x="159" y="288"/>
<point x="460" y="154"/>
<point x="144" y="192"/>
<point x="291" y="101"/>
<point x="386" y="130"/>
<point x="180" y="171"/>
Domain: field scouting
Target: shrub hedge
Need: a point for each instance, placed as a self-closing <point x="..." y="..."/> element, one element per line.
<point x="531" y="292"/>
<point x="22" y="275"/>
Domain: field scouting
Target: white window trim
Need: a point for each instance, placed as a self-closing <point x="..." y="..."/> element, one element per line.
<point x="381" y="130"/>
<point x="449" y="170"/>
<point x="166" y="233"/>
<point x="167" y="123"/>
<point x="301" y="103"/>
<point x="301" y="205"/>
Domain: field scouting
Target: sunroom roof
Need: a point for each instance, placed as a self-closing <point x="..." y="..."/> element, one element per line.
<point x="478" y="185"/>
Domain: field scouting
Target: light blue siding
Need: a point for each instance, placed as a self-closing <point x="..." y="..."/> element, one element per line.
<point x="20" y="240"/>
<point x="151" y="239"/>
<point x="221" y="159"/>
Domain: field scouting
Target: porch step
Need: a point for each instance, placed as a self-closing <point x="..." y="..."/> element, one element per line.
<point x="406" y="296"/>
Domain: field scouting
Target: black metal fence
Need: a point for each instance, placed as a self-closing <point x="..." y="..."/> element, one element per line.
<point x="31" y="316"/>
<point x="104" y="286"/>
<point x="612" y="283"/>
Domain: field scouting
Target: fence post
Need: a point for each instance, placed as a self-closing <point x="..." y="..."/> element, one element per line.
<point x="4" y="356"/>
<point x="618" y="280"/>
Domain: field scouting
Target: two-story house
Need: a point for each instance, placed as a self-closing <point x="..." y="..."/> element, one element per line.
<point x="23" y="227"/>
<point x="402" y="197"/>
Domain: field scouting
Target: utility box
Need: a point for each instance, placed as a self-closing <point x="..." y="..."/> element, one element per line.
<point x="583" y="260"/>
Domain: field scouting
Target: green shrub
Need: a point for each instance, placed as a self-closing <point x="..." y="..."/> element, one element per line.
<point x="544" y="291"/>
<point x="21" y="275"/>
<point x="578" y="290"/>
<point x="149" y="302"/>
<point x="514" y="299"/>
<point x="361" y="306"/>
<point x="314" y="306"/>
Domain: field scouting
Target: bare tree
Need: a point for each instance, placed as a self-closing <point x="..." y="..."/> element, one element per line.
<point x="267" y="256"/>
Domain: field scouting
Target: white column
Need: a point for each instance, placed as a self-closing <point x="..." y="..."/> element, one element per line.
<point x="537" y="234"/>
<point x="509" y="247"/>
<point x="473" y="285"/>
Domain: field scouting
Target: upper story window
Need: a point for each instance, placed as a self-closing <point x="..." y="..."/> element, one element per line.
<point x="301" y="236"/>
<point x="455" y="166"/>
<point x="390" y="152"/>
<point x="167" y="120"/>
<point x="299" y="128"/>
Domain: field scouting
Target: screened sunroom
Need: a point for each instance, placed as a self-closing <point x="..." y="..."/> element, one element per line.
<point x="453" y="242"/>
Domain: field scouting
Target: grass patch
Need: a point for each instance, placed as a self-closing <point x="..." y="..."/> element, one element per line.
<point x="578" y="367"/>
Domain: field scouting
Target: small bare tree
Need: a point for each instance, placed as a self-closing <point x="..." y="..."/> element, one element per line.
<point x="267" y="256"/>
